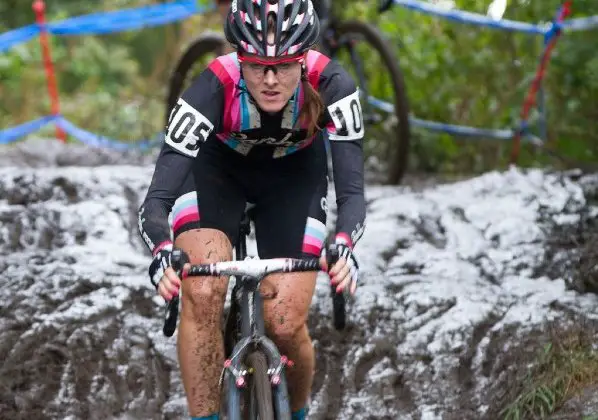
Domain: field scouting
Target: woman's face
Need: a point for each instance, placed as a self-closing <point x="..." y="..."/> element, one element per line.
<point x="271" y="81"/>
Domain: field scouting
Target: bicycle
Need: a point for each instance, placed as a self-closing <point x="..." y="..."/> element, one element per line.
<point x="340" y="40"/>
<point x="253" y="362"/>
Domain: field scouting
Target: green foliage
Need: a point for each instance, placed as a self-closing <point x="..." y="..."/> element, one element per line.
<point x="112" y="84"/>
<point x="455" y="73"/>
<point x="564" y="367"/>
<point x="477" y="76"/>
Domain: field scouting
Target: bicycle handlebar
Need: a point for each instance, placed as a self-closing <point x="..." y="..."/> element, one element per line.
<point x="253" y="268"/>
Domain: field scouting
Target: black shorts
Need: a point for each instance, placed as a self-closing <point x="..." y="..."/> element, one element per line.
<point x="289" y="194"/>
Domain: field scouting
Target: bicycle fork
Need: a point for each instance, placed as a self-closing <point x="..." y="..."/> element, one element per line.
<point x="253" y="338"/>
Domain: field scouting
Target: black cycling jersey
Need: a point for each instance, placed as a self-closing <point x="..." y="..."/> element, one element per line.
<point x="218" y="107"/>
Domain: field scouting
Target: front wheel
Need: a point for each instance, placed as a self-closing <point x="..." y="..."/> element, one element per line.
<point x="259" y="404"/>
<point x="368" y="56"/>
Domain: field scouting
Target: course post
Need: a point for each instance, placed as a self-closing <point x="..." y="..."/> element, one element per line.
<point x="550" y="38"/>
<point x="39" y="8"/>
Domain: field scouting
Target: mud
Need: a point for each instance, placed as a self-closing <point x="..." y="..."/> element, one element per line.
<point x="80" y="334"/>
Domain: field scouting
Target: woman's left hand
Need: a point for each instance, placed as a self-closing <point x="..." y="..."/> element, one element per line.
<point x="345" y="272"/>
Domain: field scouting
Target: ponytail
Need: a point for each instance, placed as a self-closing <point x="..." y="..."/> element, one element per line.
<point x="312" y="107"/>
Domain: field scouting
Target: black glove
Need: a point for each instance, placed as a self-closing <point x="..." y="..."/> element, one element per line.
<point x="341" y="250"/>
<point x="160" y="263"/>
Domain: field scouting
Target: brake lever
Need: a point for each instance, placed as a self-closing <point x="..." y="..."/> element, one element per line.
<point x="178" y="259"/>
<point x="332" y="255"/>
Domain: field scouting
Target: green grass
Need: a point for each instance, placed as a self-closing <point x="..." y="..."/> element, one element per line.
<point x="566" y="366"/>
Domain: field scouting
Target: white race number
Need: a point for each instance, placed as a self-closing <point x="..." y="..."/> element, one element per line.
<point x="347" y="117"/>
<point x="187" y="129"/>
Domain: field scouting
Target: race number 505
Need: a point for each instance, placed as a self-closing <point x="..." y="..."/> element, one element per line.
<point x="187" y="129"/>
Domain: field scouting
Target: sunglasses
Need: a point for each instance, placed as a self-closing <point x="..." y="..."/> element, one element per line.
<point x="280" y="67"/>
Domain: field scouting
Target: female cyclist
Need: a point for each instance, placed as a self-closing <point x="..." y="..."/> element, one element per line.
<point x="249" y="129"/>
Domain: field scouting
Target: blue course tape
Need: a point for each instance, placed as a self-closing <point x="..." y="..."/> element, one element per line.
<point x="126" y="19"/>
<point x="459" y="130"/>
<point x="14" y="133"/>
<point x="11" y="38"/>
<point x="95" y="140"/>
<point x="462" y="130"/>
<point x="580" y="24"/>
<point x="107" y="22"/>
<point x="473" y="18"/>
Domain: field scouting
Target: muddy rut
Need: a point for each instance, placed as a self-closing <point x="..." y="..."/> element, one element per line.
<point x="449" y="297"/>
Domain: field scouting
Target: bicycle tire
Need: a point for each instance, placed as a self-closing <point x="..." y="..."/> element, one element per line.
<point x="398" y="151"/>
<point x="204" y="44"/>
<point x="260" y="389"/>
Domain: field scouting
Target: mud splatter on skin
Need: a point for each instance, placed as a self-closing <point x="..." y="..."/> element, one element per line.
<point x="201" y="350"/>
<point x="285" y="318"/>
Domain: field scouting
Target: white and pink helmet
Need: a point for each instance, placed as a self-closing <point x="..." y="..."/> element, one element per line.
<point x="296" y="26"/>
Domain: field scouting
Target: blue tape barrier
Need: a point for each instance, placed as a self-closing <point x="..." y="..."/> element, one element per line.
<point x="456" y="130"/>
<point x="11" y="38"/>
<point x="160" y="14"/>
<point x="461" y="16"/>
<point x="462" y="130"/>
<point x="580" y="24"/>
<point x="107" y="22"/>
<point x="14" y="133"/>
<point x="472" y="18"/>
<point x="126" y="19"/>
<point x="95" y="140"/>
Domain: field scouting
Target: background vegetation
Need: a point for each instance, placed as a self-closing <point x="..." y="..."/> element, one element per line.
<point x="115" y="84"/>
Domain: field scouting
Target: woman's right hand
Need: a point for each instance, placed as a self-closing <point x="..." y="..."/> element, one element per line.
<point x="163" y="276"/>
<point x="169" y="284"/>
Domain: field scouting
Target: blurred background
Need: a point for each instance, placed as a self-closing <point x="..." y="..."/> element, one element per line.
<point x="115" y="84"/>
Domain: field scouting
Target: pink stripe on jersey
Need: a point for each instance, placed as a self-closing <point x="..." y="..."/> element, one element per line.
<point x="330" y="128"/>
<point x="231" y="65"/>
<point x="181" y="221"/>
<point x="310" y="240"/>
<point x="343" y="238"/>
<point x="311" y="249"/>
<point x="226" y="68"/>
<point x="315" y="233"/>
<point x="316" y="62"/>
<point x="311" y="58"/>
<point x="185" y="210"/>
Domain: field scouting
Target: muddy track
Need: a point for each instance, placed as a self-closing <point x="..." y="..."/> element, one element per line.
<point x="448" y="285"/>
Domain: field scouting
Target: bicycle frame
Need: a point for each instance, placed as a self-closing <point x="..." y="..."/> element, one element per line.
<point x="246" y="312"/>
